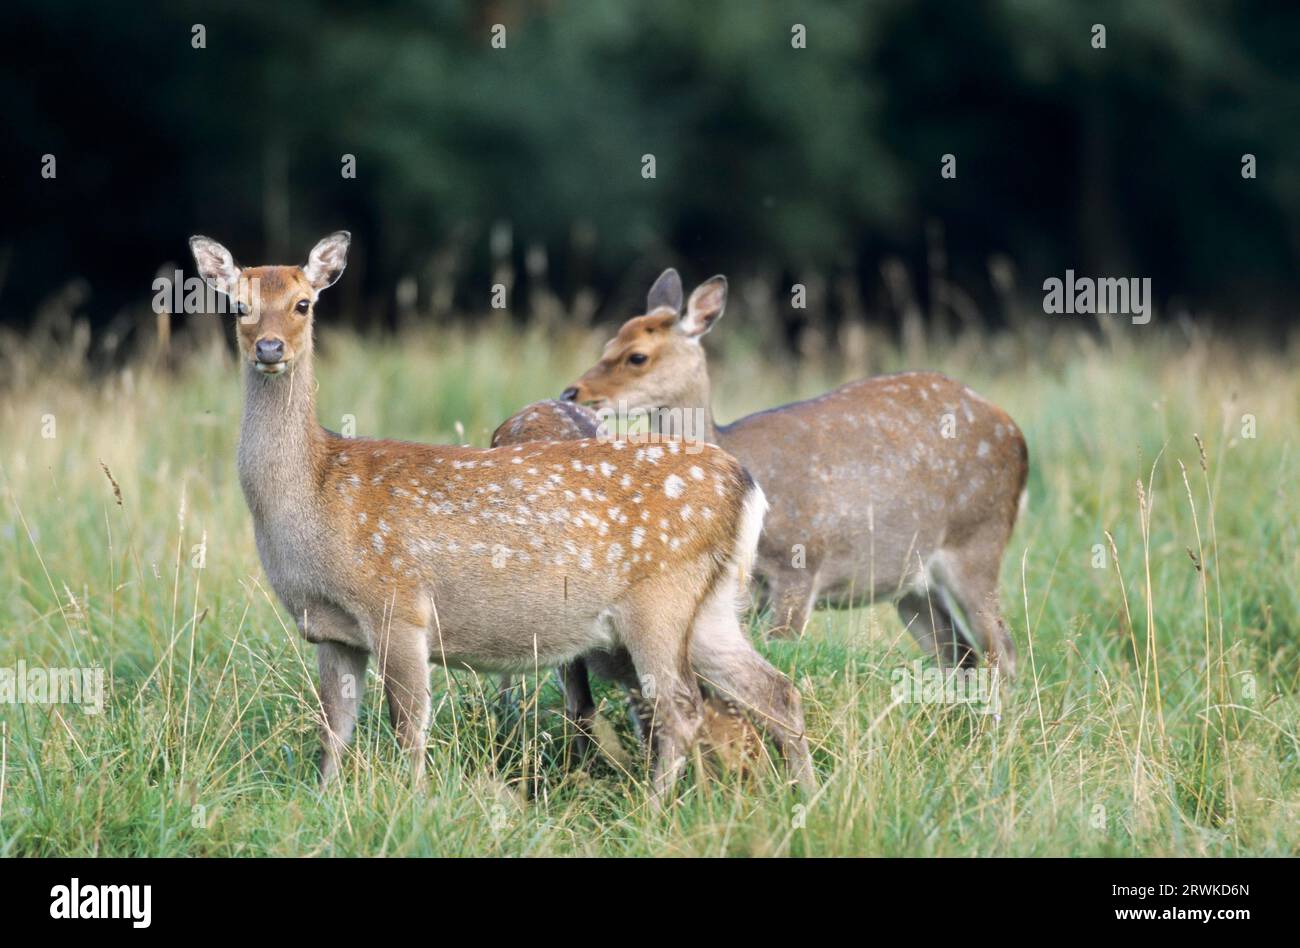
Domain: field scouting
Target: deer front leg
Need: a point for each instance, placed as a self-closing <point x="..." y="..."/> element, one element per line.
<point x="342" y="671"/>
<point x="404" y="667"/>
<point x="936" y="630"/>
<point x="616" y="666"/>
<point x="579" y="704"/>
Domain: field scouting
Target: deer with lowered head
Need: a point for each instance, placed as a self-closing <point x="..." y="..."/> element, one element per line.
<point x="901" y="488"/>
<point x="726" y="733"/>
<point x="500" y="560"/>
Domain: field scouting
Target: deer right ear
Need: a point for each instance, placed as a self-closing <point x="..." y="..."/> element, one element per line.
<point x="704" y="307"/>
<point x="216" y="265"/>
<point x="666" y="292"/>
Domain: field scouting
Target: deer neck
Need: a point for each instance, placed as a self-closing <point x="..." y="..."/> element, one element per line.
<point x="691" y="416"/>
<point x="281" y="445"/>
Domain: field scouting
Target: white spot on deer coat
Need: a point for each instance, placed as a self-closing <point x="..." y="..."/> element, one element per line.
<point x="674" y="485"/>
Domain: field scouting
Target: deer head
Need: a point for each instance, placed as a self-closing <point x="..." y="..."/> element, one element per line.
<point x="656" y="360"/>
<point x="275" y="303"/>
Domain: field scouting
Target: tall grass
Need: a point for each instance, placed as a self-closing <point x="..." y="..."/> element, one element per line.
<point x="1151" y="589"/>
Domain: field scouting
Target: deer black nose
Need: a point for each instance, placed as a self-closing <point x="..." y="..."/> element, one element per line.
<point x="270" y="351"/>
<point x="570" y="394"/>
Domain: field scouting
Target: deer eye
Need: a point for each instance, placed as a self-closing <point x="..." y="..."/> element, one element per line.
<point x="637" y="358"/>
<point x="303" y="306"/>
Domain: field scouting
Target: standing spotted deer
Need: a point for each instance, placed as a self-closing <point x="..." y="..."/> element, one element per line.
<point x="498" y="560"/>
<point x="901" y="488"/>
<point x="726" y="731"/>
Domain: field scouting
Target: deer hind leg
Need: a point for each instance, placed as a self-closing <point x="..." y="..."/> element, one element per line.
<point x="970" y="576"/>
<point x="792" y="593"/>
<point x="731" y="667"/>
<point x="342" y="671"/>
<point x="936" y="630"/>
<point x="655" y="633"/>
<point x="403" y="661"/>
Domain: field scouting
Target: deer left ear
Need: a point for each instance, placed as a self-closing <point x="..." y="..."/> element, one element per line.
<point x="327" y="259"/>
<point x="704" y="307"/>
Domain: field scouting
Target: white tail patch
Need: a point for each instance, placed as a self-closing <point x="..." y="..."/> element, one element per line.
<point x="746" y="548"/>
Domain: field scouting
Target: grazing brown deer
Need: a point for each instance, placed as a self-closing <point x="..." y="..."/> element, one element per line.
<point x="726" y="732"/>
<point x="499" y="559"/>
<point x="904" y="487"/>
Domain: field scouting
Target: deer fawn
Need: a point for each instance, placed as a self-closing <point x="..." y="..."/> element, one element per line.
<point x="904" y="487"/>
<point x="499" y="559"/>
<point x="725" y="731"/>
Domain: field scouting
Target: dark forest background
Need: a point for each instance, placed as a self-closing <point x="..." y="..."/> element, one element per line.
<point x="774" y="164"/>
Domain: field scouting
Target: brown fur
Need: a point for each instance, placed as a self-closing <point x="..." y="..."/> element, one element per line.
<point x="729" y="739"/>
<point x="548" y="420"/>
<point x="864" y="483"/>
<point x="726" y="733"/>
<point x="497" y="560"/>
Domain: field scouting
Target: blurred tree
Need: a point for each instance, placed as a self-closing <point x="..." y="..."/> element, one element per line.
<point x="769" y="159"/>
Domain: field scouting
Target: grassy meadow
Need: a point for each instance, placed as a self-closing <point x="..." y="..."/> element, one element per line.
<point x="1156" y="712"/>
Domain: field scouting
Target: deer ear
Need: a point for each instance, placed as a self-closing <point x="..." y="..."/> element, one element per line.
<point x="327" y="259"/>
<point x="704" y="307"/>
<point x="667" y="291"/>
<point x="216" y="265"/>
